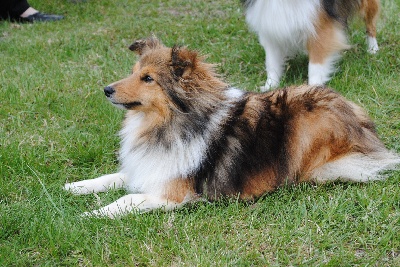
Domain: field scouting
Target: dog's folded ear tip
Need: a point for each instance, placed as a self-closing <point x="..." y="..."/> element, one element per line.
<point x="133" y="46"/>
<point x="136" y="45"/>
<point x="141" y="45"/>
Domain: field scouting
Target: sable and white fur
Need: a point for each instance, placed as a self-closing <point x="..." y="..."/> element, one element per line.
<point x="188" y="135"/>
<point x="286" y="27"/>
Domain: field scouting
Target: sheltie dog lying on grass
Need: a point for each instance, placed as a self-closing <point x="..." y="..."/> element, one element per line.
<point x="188" y="135"/>
<point x="285" y="27"/>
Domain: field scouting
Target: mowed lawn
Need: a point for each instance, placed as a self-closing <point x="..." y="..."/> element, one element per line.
<point x="56" y="126"/>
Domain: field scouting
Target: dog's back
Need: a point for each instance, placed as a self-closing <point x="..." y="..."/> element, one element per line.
<point x="292" y="135"/>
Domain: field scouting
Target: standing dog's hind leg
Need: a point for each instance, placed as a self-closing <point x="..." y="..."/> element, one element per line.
<point x="324" y="50"/>
<point x="370" y="12"/>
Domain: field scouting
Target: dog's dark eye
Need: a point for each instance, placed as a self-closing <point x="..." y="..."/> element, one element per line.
<point x="147" y="79"/>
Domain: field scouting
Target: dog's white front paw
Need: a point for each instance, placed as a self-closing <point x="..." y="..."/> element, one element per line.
<point x="373" y="49"/>
<point x="76" y="189"/>
<point x="104" y="213"/>
<point x="87" y="214"/>
<point x="95" y="214"/>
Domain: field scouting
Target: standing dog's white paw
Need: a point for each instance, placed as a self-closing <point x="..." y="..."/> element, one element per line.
<point x="269" y="85"/>
<point x="373" y="47"/>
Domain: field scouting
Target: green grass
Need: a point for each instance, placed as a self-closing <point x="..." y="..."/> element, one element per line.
<point x="56" y="126"/>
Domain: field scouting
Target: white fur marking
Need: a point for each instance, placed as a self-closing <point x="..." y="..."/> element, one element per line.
<point x="133" y="202"/>
<point x="372" y="45"/>
<point x="234" y="93"/>
<point x="100" y="184"/>
<point x="282" y="21"/>
<point x="318" y="74"/>
<point x="274" y="62"/>
<point x="357" y="167"/>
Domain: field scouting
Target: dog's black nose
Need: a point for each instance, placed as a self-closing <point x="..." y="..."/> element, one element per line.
<point x="108" y="91"/>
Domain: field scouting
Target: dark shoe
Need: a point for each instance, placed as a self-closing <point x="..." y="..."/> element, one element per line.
<point x="40" y="17"/>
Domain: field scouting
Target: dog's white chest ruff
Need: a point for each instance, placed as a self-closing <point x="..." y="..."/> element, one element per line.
<point x="148" y="166"/>
<point x="284" y="21"/>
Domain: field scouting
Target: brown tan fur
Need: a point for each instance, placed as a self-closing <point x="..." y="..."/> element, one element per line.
<point x="370" y="12"/>
<point x="259" y="184"/>
<point x="179" y="189"/>
<point x="328" y="40"/>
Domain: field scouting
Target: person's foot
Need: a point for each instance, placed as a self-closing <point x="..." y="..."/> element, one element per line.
<point x="41" y="17"/>
<point x="31" y="15"/>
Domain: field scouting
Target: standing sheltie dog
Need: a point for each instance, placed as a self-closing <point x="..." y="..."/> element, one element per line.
<point x="285" y="27"/>
<point x="188" y="135"/>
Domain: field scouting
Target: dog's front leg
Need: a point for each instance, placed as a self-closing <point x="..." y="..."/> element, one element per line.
<point x="274" y="62"/>
<point x="134" y="202"/>
<point x="100" y="184"/>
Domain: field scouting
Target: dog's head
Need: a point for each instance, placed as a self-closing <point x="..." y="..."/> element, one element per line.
<point x="164" y="80"/>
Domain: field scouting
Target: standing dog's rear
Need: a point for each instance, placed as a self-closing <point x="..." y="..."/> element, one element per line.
<point x="286" y="27"/>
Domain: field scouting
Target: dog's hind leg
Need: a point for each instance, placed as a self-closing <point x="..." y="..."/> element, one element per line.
<point x="370" y="13"/>
<point x="100" y="184"/>
<point x="135" y="202"/>
<point x="324" y="50"/>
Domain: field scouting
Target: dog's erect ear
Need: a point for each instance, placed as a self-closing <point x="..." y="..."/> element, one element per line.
<point x="183" y="61"/>
<point x="141" y="46"/>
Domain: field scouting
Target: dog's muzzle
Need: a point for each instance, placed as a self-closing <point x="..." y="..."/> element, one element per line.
<point x="108" y="91"/>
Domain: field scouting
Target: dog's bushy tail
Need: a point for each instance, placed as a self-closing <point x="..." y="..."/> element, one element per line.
<point x="358" y="167"/>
